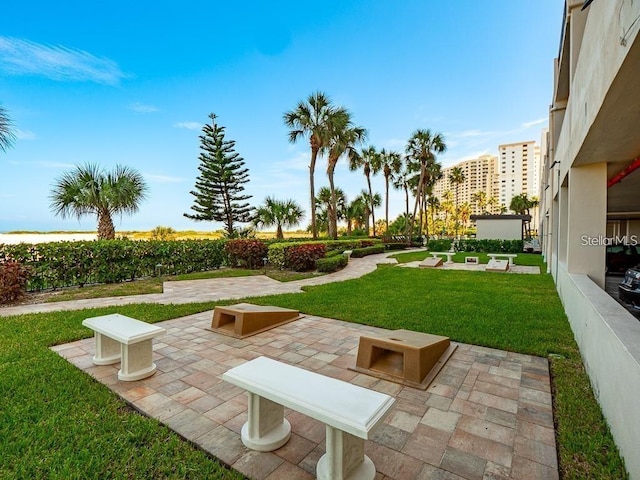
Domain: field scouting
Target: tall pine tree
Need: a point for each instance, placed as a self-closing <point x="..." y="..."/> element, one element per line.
<point x="218" y="189"/>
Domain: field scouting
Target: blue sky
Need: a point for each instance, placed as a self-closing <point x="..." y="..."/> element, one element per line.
<point x="132" y="83"/>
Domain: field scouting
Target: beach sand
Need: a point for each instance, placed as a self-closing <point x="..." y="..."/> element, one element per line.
<point x="14" y="238"/>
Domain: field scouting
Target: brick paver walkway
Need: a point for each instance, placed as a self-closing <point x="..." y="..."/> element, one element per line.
<point x="487" y="415"/>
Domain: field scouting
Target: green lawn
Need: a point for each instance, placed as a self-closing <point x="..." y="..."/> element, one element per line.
<point x="45" y="434"/>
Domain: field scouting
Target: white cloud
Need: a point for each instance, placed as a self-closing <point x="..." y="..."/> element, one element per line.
<point x="47" y="164"/>
<point x="188" y="125"/>
<point x="142" y="108"/>
<point x="299" y="162"/>
<point x="24" y="134"/>
<point x="533" y="123"/>
<point x="163" y="178"/>
<point x="22" y="57"/>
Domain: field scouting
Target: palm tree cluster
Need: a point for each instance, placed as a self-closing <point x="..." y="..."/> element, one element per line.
<point x="331" y="133"/>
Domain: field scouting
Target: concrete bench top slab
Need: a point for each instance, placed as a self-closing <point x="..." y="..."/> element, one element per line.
<point x="350" y="408"/>
<point x="123" y="329"/>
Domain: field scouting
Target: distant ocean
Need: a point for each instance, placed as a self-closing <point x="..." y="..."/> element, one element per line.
<point x="13" y="238"/>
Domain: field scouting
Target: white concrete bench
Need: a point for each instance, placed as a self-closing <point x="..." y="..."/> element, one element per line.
<point x="448" y="254"/>
<point x="508" y="256"/>
<point x="349" y="412"/>
<point x="126" y="340"/>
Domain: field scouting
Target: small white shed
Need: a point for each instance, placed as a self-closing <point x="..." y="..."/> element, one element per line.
<point x="500" y="227"/>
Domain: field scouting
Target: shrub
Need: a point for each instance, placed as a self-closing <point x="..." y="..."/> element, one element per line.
<point x="491" y="246"/>
<point x="60" y="264"/>
<point x="363" y="252"/>
<point x="276" y="254"/>
<point x="331" y="264"/>
<point x="13" y="281"/>
<point x="163" y="233"/>
<point x="395" y="246"/>
<point x="303" y="257"/>
<point x="245" y="252"/>
<point x="442" y="245"/>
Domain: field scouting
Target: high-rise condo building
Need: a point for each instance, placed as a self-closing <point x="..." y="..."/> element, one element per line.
<point x="480" y="175"/>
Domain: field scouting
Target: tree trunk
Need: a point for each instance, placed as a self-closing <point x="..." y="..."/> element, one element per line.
<point x="312" y="168"/>
<point x="418" y="197"/>
<point x="386" y="205"/>
<point x="333" y="210"/>
<point x="106" y="231"/>
<point x="279" y="234"/>
<point x="373" y="215"/>
<point x="406" y="204"/>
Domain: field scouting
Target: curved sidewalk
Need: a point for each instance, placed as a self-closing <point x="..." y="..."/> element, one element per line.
<point x="210" y="290"/>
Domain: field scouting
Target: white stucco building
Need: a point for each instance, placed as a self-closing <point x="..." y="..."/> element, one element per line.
<point x="593" y="141"/>
<point x="519" y="170"/>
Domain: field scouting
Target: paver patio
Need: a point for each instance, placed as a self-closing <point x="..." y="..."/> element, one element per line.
<point x="487" y="415"/>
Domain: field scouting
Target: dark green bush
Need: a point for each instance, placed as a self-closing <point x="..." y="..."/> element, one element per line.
<point x="490" y="246"/>
<point x="395" y="246"/>
<point x="442" y="245"/>
<point x="363" y="252"/>
<point x="331" y="264"/>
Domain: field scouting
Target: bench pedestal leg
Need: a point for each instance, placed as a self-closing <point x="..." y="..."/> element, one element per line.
<point x="107" y="350"/>
<point x="266" y="428"/>
<point x="137" y="361"/>
<point x="345" y="458"/>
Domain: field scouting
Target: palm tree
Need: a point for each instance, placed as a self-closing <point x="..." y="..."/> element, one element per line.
<point x="391" y="163"/>
<point x="402" y="181"/>
<point x="323" y="200"/>
<point x="377" y="201"/>
<point x="280" y="213"/>
<point x="89" y="190"/>
<point x="421" y="149"/>
<point x="313" y="119"/>
<point x="456" y="178"/>
<point x="433" y="205"/>
<point x="7" y="136"/>
<point x="480" y="199"/>
<point x="369" y="160"/>
<point x="464" y="213"/>
<point x="344" y="138"/>
<point x="447" y="206"/>
<point x="355" y="214"/>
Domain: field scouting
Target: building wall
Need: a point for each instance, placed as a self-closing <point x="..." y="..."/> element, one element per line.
<point x="480" y="174"/>
<point x="505" y="229"/>
<point x="519" y="169"/>
<point x="593" y="122"/>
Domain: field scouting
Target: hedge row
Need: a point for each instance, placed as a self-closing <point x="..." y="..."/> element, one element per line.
<point x="279" y="258"/>
<point x="332" y="263"/>
<point x="490" y="246"/>
<point x="475" y="245"/>
<point x="363" y="252"/>
<point x="63" y="264"/>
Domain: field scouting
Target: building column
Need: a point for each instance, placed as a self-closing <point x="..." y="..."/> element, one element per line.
<point x="587" y="221"/>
